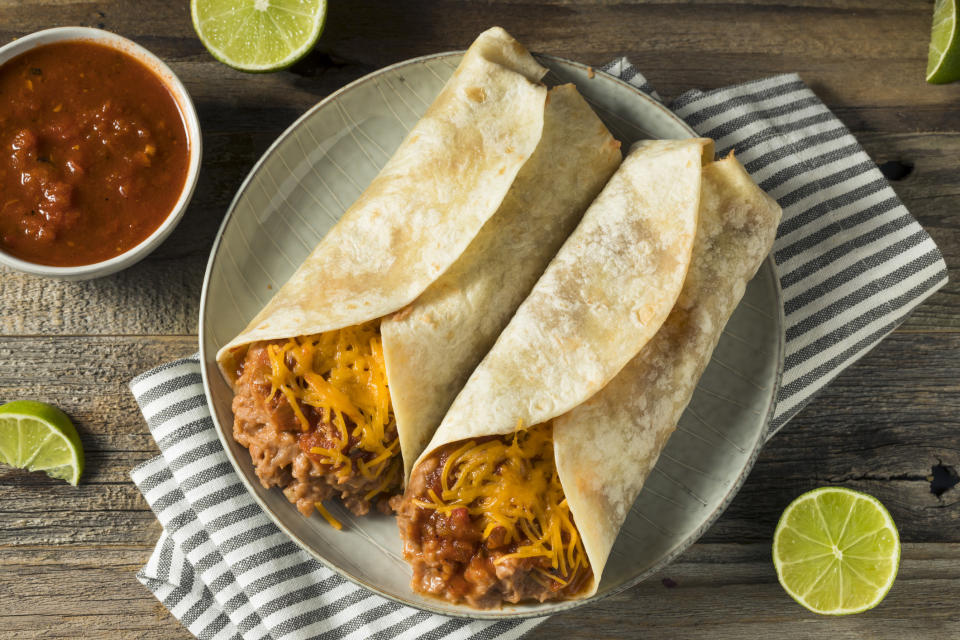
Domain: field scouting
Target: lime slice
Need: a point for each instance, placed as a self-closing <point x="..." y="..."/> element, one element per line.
<point x="40" y="437"/>
<point x="258" y="35"/>
<point x="836" y="551"/>
<point x="943" y="61"/>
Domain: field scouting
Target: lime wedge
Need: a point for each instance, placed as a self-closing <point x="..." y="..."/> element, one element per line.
<point x="943" y="61"/>
<point x="258" y="35"/>
<point x="836" y="551"/>
<point x="40" y="437"/>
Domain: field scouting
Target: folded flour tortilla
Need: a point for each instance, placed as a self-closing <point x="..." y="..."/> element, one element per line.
<point x="604" y="295"/>
<point x="432" y="345"/>
<point x="447" y="178"/>
<point x="446" y="241"/>
<point x="606" y="447"/>
<point x="606" y="351"/>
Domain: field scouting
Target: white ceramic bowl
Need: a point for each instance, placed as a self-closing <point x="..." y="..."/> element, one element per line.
<point x="194" y="144"/>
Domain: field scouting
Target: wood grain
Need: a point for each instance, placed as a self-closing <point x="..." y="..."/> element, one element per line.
<point x="68" y="555"/>
<point x="714" y="591"/>
<point x="882" y="438"/>
<point x="161" y="295"/>
<point x="832" y="45"/>
<point x="84" y="592"/>
<point x="721" y="592"/>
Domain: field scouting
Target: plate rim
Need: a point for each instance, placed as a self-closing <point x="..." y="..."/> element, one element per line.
<point x="494" y="614"/>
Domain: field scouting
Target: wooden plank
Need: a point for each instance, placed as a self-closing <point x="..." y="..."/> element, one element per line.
<point x="87" y="378"/>
<point x="880" y="427"/>
<point x="68" y="556"/>
<point x="831" y="43"/>
<point x="161" y="294"/>
<point x="86" y="592"/>
<point x="930" y="192"/>
<point x="834" y="45"/>
<point x="720" y="592"/>
<point x="714" y="591"/>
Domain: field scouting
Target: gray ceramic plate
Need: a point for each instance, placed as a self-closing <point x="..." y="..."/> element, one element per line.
<point x="299" y="189"/>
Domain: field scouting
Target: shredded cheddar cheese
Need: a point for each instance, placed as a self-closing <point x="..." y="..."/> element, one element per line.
<point x="514" y="484"/>
<point x="341" y="374"/>
<point x="322" y="510"/>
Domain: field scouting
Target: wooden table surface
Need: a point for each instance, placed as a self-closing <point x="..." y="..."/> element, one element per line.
<point x="888" y="426"/>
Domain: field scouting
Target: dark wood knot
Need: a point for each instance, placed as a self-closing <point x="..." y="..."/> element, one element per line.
<point x="894" y="170"/>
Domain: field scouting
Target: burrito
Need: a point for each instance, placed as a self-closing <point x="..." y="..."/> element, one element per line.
<point x="349" y="368"/>
<point x="527" y="481"/>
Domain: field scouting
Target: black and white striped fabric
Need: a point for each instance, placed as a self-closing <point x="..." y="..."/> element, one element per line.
<point x="223" y="568"/>
<point x="852" y="262"/>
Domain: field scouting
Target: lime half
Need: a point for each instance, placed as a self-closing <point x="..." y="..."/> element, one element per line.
<point x="40" y="437"/>
<point x="836" y="551"/>
<point x="258" y="35"/>
<point x="943" y="61"/>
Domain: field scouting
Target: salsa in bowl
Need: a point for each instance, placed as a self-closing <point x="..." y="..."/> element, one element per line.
<point x="100" y="152"/>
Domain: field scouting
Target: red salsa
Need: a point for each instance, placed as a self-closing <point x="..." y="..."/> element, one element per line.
<point x="93" y="153"/>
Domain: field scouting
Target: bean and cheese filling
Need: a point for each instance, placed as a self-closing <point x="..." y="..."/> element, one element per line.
<point x="328" y="393"/>
<point x="486" y="521"/>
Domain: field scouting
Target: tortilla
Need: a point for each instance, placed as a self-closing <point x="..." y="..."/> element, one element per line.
<point x="575" y="356"/>
<point x="606" y="293"/>
<point x="398" y="259"/>
<point x="447" y="178"/>
<point x="432" y="345"/>
<point x="606" y="447"/>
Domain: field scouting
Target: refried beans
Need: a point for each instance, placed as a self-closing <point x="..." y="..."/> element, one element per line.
<point x="290" y="445"/>
<point x="453" y="559"/>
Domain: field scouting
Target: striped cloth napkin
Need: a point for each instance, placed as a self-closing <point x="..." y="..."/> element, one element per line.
<point x="852" y="262"/>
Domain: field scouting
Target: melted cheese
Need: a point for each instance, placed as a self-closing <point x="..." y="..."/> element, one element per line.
<point x="513" y="483"/>
<point x="342" y="375"/>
